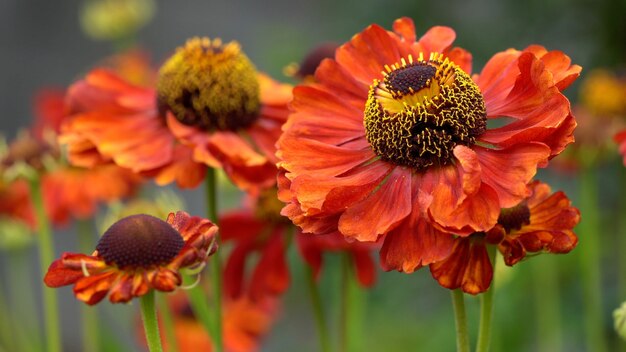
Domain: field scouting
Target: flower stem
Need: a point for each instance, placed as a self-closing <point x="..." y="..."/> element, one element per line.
<point x="344" y="336"/>
<point x="460" y="318"/>
<point x="589" y="254"/>
<point x="486" y="308"/>
<point x="215" y="261"/>
<point x="318" y="311"/>
<point x="150" y="322"/>
<point x="46" y="256"/>
<point x="89" y="314"/>
<point x="168" y="323"/>
<point x="199" y="305"/>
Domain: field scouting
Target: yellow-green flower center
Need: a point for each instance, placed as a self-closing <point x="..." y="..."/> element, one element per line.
<point x="210" y="85"/>
<point x="421" y="110"/>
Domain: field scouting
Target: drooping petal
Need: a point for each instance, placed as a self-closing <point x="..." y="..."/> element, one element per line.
<point x="468" y="267"/>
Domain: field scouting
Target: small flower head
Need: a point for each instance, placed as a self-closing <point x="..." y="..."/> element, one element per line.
<point x="619" y="320"/>
<point x="210" y="85"/>
<point x="115" y="19"/>
<point x="135" y="255"/>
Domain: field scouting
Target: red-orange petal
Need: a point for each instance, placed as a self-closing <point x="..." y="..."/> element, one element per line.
<point x="468" y="267"/>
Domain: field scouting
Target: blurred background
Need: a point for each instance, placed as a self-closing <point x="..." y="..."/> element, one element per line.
<point x="42" y="44"/>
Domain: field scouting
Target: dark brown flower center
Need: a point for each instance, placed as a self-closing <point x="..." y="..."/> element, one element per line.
<point x="140" y="241"/>
<point x="421" y="110"/>
<point x="514" y="218"/>
<point x="28" y="150"/>
<point x="210" y="85"/>
<point x="268" y="207"/>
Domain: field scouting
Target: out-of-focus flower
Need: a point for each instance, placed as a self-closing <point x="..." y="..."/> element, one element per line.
<point x="136" y="254"/>
<point x="541" y="223"/>
<point x="392" y="140"/>
<point x="619" y="320"/>
<point x="305" y="70"/>
<point x="312" y="249"/>
<point x="68" y="191"/>
<point x="115" y="19"/>
<point x="246" y="322"/>
<point x="600" y="113"/>
<point x="174" y="131"/>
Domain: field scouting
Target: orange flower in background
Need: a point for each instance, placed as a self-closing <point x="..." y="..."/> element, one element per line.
<point x="15" y="202"/>
<point x="312" y="249"/>
<point x="173" y="130"/>
<point x="246" y="322"/>
<point x="393" y="140"/>
<point x="543" y="222"/>
<point x="135" y="255"/>
<point x="68" y="191"/>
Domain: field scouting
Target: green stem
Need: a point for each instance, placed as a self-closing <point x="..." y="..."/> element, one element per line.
<point x="150" y="322"/>
<point x="22" y="303"/>
<point x="215" y="261"/>
<point x="46" y="256"/>
<point x="621" y="238"/>
<point x="486" y="307"/>
<point x="318" y="311"/>
<point x="589" y="254"/>
<point x="168" y="323"/>
<point x="460" y="318"/>
<point x="344" y="338"/>
<point x="89" y="314"/>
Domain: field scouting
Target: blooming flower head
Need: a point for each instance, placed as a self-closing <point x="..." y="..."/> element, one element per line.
<point x="393" y="140"/>
<point x="209" y="107"/>
<point x="542" y="223"/>
<point x="305" y="70"/>
<point x="136" y="254"/>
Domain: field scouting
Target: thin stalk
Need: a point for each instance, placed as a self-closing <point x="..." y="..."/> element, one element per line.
<point x="150" y="322"/>
<point x="621" y="243"/>
<point x="589" y="254"/>
<point x="460" y="318"/>
<point x="46" y="256"/>
<point x="168" y="323"/>
<point x="344" y="338"/>
<point x="486" y="308"/>
<point x="89" y="314"/>
<point x="22" y="301"/>
<point x="215" y="261"/>
<point x="318" y="311"/>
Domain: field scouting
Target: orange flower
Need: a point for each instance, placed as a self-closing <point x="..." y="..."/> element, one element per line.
<point x="245" y="322"/>
<point x="541" y="223"/>
<point x="174" y="130"/>
<point x="68" y="191"/>
<point x="135" y="255"/>
<point x="393" y="140"/>
<point x="15" y="202"/>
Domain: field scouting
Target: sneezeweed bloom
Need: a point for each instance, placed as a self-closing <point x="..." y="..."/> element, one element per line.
<point x="172" y="131"/>
<point x="135" y="255"/>
<point x="68" y="191"/>
<point x="394" y="141"/>
<point x="542" y="223"/>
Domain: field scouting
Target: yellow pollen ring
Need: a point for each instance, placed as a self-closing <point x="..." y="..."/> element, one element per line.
<point x="422" y="109"/>
<point x="210" y="85"/>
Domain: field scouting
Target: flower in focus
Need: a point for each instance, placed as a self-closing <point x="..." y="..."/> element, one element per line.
<point x="115" y="19"/>
<point x="542" y="223"/>
<point x="393" y="140"/>
<point x="245" y="322"/>
<point x="173" y="130"/>
<point x="135" y="255"/>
